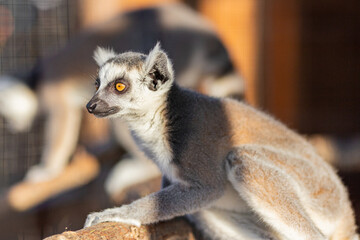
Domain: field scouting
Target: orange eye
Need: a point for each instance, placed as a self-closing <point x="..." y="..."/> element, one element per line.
<point x="120" y="87"/>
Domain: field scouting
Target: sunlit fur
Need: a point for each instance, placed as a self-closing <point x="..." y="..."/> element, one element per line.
<point x="237" y="173"/>
<point x="18" y="104"/>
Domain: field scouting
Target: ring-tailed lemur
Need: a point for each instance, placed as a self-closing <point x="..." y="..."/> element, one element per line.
<point x="237" y="172"/>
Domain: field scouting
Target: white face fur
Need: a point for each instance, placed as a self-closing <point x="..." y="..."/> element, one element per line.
<point x="127" y="84"/>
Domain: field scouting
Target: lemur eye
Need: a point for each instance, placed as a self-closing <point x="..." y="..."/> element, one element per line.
<point x="97" y="84"/>
<point x="120" y="87"/>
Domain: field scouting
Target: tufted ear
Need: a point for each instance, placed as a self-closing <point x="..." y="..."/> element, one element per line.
<point x="101" y="55"/>
<point x="158" y="68"/>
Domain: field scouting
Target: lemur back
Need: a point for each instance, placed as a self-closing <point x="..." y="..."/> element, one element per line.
<point x="239" y="173"/>
<point x="213" y="127"/>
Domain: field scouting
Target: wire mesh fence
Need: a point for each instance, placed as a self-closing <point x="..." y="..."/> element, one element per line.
<point x="29" y="30"/>
<point x="19" y="151"/>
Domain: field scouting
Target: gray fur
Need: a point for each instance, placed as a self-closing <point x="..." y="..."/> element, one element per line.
<point x="242" y="174"/>
<point x="130" y="60"/>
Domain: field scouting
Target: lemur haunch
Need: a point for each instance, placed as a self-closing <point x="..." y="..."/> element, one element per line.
<point x="237" y="172"/>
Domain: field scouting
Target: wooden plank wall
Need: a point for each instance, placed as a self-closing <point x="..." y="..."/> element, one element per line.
<point x="330" y="67"/>
<point x="238" y="23"/>
<point x="280" y="60"/>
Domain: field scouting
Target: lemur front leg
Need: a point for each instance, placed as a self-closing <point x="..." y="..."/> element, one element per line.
<point x="61" y="136"/>
<point x="174" y="200"/>
<point x="271" y="193"/>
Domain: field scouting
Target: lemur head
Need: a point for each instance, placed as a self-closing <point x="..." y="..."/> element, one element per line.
<point x="130" y="83"/>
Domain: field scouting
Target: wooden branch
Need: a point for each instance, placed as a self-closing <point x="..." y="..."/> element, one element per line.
<point x="176" y="229"/>
<point x="80" y="171"/>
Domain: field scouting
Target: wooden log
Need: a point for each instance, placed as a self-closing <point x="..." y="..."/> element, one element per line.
<point x="80" y="171"/>
<point x="176" y="229"/>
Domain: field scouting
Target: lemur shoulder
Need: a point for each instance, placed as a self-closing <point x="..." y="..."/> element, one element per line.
<point x="236" y="172"/>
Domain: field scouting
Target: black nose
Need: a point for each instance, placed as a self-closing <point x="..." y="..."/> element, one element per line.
<point x="91" y="107"/>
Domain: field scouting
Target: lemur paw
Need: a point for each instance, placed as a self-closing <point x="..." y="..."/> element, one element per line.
<point x="109" y="215"/>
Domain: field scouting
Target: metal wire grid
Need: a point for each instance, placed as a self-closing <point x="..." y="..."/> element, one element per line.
<point x="36" y="32"/>
<point x="19" y="151"/>
<point x="30" y="32"/>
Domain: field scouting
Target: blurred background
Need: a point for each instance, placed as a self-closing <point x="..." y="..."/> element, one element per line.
<point x="299" y="60"/>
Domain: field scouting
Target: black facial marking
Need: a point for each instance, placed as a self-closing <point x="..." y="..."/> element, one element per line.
<point x="100" y="108"/>
<point x="111" y="87"/>
<point x="97" y="83"/>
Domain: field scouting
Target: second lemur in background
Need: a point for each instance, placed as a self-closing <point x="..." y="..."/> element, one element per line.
<point x="236" y="172"/>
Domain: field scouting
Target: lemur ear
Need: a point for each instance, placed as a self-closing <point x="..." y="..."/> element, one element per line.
<point x="158" y="68"/>
<point x="101" y="55"/>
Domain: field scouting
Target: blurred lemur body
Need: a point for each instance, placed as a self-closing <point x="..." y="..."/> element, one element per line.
<point x="237" y="173"/>
<point x="63" y="84"/>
